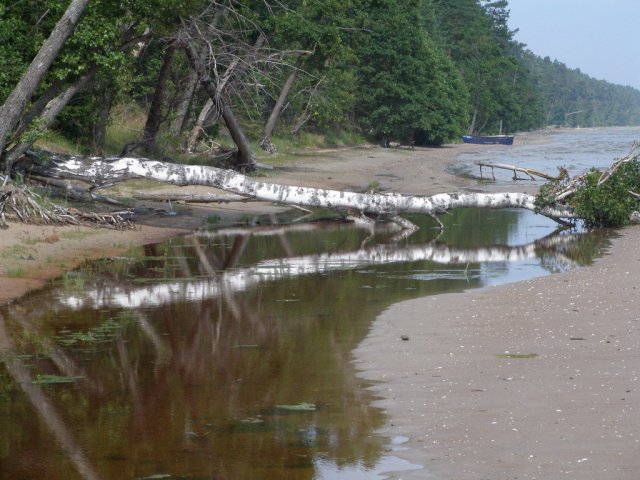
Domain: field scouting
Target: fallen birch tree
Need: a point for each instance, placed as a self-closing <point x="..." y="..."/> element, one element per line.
<point x="391" y="205"/>
<point x="607" y="198"/>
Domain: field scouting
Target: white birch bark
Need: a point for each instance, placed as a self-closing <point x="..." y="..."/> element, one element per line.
<point x="103" y="171"/>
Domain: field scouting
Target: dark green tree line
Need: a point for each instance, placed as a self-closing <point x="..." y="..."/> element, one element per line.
<point x="421" y="71"/>
<point x="572" y="98"/>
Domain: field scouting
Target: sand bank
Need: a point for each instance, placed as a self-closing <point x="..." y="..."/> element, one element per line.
<point x="533" y="380"/>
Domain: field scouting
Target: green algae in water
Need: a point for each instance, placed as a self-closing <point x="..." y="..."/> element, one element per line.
<point x="54" y="379"/>
<point x="103" y="333"/>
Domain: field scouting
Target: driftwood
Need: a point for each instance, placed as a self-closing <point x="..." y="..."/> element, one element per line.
<point x="19" y="203"/>
<point x="75" y="190"/>
<point x="528" y="171"/>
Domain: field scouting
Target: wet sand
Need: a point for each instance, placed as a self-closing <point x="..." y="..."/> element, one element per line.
<point x="532" y="380"/>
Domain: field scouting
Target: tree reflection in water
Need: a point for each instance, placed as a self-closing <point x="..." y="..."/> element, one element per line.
<point x="188" y="350"/>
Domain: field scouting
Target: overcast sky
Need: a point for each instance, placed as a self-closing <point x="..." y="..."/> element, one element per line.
<point x="600" y="37"/>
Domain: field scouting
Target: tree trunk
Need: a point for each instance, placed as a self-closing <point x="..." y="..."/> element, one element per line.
<point x="183" y="104"/>
<point x="54" y="107"/>
<point x="213" y="102"/>
<point x="472" y="126"/>
<point x="38" y="106"/>
<point x="114" y="170"/>
<point x="265" y="143"/>
<point x="245" y="160"/>
<point x="100" y="127"/>
<point x="154" y="118"/>
<point x="17" y="100"/>
<point x="198" y="128"/>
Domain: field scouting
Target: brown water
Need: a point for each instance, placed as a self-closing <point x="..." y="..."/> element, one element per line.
<point x="227" y="354"/>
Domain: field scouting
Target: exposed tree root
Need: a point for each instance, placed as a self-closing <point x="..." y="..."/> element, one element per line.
<point x="21" y="204"/>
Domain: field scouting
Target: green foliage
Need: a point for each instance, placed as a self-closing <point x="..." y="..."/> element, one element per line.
<point x="406" y="83"/>
<point x="421" y="70"/>
<point x="478" y="39"/>
<point x="45" y="379"/>
<point x="324" y="91"/>
<point x="608" y="204"/>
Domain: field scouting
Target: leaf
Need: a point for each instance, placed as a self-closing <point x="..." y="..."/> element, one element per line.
<point x="300" y="407"/>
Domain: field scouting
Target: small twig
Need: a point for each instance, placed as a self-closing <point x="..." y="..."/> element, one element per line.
<point x="404" y="223"/>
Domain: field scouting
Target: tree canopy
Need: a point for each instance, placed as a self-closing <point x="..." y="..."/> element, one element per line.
<point x="422" y="71"/>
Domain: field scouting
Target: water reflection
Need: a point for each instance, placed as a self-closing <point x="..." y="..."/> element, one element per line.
<point x="227" y="354"/>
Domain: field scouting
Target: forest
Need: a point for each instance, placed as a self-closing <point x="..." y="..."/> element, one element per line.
<point x="210" y="82"/>
<point x="218" y="79"/>
<point x="215" y="81"/>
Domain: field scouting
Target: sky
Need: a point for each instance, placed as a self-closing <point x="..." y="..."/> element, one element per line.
<point x="600" y="37"/>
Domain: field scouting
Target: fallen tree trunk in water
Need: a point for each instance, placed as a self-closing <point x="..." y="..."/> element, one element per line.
<point x="108" y="171"/>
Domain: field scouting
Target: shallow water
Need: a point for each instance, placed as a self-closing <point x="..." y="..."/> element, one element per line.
<point x="227" y="354"/>
<point x="576" y="150"/>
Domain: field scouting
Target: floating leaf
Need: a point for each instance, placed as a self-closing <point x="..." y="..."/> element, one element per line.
<point x="299" y="407"/>
<point x="250" y="420"/>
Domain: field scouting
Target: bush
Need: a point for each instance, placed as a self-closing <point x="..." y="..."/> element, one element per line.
<point x="609" y="204"/>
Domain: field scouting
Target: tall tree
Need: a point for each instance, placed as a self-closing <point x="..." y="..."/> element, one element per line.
<point x="155" y="117"/>
<point x="17" y="100"/>
<point x="479" y="41"/>
<point x="317" y="83"/>
<point x="407" y="85"/>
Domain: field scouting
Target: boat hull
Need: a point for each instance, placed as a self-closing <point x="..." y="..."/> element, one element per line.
<point x="488" y="139"/>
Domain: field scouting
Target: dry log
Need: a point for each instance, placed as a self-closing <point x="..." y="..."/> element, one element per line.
<point x="528" y="171"/>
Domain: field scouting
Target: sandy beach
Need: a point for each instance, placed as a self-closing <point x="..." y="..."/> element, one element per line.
<point x="533" y="380"/>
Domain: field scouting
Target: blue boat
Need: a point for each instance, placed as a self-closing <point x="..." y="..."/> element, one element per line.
<point x="488" y="139"/>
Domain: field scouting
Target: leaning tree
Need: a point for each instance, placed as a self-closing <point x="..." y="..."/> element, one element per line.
<point x="15" y="103"/>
